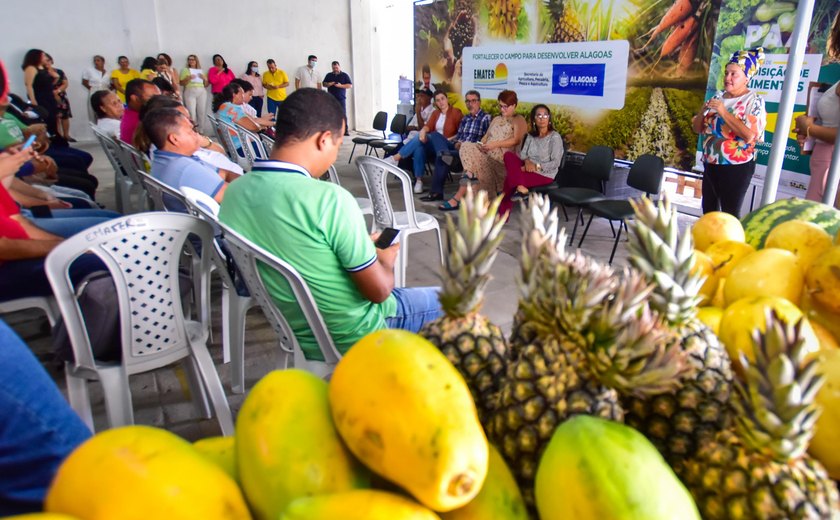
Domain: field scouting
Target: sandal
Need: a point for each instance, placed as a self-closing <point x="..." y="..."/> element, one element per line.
<point x="446" y="206"/>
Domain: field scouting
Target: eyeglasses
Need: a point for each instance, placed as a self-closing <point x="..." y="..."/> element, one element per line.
<point x="502" y="106"/>
<point x="471" y="100"/>
<point x="542" y="116"/>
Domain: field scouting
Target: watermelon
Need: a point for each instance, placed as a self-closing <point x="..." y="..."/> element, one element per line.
<point x="757" y="225"/>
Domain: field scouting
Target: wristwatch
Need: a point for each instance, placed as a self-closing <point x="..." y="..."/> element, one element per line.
<point x="539" y="167"/>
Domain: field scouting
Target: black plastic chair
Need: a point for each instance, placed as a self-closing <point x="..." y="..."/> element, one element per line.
<point x="555" y="183"/>
<point x="596" y="169"/>
<point x="398" y="125"/>
<point x="380" y="122"/>
<point x="646" y="175"/>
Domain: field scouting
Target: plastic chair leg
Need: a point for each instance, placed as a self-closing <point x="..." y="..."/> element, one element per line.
<point x="78" y="396"/>
<point x="401" y="264"/>
<point x="351" y="153"/>
<point x="586" y="229"/>
<point x="440" y="244"/>
<point x="197" y="390"/>
<point x="118" y="404"/>
<point x="234" y="311"/>
<point x="210" y="378"/>
<point x="578" y="218"/>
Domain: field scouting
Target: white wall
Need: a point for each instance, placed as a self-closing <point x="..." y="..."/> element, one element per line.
<point x="286" y="30"/>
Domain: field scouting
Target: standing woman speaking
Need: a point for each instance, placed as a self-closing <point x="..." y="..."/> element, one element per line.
<point x="731" y="122"/>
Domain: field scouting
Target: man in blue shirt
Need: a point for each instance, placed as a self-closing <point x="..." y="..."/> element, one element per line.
<point x="176" y="139"/>
<point x="338" y="83"/>
<point x="472" y="128"/>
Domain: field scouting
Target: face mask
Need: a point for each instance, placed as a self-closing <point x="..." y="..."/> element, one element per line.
<point x="255" y="69"/>
<point x="312" y="64"/>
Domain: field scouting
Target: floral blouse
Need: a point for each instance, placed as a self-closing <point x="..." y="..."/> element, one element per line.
<point x="720" y="143"/>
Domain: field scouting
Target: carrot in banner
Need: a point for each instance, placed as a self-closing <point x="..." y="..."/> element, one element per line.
<point x="680" y="34"/>
<point x="688" y="51"/>
<point x="676" y="13"/>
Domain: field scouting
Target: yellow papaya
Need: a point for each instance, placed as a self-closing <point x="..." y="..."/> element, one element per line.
<point x="287" y="446"/>
<point x="138" y="473"/>
<point x="499" y="498"/>
<point x="40" y="516"/>
<point x="221" y="451"/>
<point x="363" y="504"/>
<point x="407" y="414"/>
<point x="594" y="469"/>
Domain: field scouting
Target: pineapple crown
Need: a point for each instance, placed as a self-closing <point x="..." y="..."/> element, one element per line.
<point x="665" y="258"/>
<point x="471" y="247"/>
<point x="628" y="346"/>
<point x="542" y="235"/>
<point x="776" y="412"/>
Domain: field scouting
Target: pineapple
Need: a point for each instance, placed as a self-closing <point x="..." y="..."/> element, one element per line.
<point x="550" y="379"/>
<point x="567" y="27"/>
<point x="469" y="340"/>
<point x="678" y="422"/>
<point x="760" y="468"/>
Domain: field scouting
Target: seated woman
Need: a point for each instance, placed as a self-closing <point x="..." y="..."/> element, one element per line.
<point x="536" y="164"/>
<point x="442" y="125"/>
<point x="483" y="161"/>
<point x="109" y="111"/>
<point x="228" y="107"/>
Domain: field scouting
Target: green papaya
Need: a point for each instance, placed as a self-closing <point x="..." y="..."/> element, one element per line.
<point x="221" y="451"/>
<point x="594" y="469"/>
<point x="287" y="445"/>
<point x="499" y="498"/>
<point x="362" y="504"/>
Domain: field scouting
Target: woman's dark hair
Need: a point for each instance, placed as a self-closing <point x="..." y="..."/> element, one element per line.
<point x="224" y="63"/>
<point x="149" y="63"/>
<point x="533" y="120"/>
<point x="32" y="58"/>
<point x="305" y="113"/>
<point x="440" y="93"/>
<point x="508" y="97"/>
<point x="142" y="140"/>
<point x="248" y="69"/>
<point x="121" y="58"/>
<point x="166" y="57"/>
<point x="164" y="85"/>
<point x="97" y="99"/>
<point x="226" y="95"/>
<point x="247" y="87"/>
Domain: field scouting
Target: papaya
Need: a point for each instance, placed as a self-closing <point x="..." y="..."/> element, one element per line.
<point x="404" y="410"/>
<point x="287" y="446"/>
<point x="595" y="469"/>
<point x="221" y="451"/>
<point x="40" y="516"/>
<point x="140" y="472"/>
<point x="364" y="504"/>
<point x="499" y="498"/>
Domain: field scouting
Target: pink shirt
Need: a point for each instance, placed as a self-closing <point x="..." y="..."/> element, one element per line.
<point x="128" y="125"/>
<point x="257" y="83"/>
<point x="218" y="80"/>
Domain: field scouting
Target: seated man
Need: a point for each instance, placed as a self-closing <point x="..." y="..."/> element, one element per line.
<point x="472" y="128"/>
<point x="39" y="428"/>
<point x="137" y="92"/>
<point x="174" y="163"/>
<point x="318" y="228"/>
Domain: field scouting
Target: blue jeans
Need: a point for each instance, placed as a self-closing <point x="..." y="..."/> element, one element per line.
<point x="417" y="151"/>
<point x="272" y="105"/>
<point x="415" y="307"/>
<point x="38" y="429"/>
<point x="440" y="144"/>
<point x="67" y="222"/>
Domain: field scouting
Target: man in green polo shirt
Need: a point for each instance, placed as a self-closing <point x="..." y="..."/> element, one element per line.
<point x="318" y="228"/>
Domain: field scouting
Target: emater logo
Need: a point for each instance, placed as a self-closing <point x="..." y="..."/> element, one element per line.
<point x="578" y="80"/>
<point x="491" y="78"/>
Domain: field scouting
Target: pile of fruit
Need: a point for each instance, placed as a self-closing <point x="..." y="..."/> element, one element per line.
<point x="612" y="398"/>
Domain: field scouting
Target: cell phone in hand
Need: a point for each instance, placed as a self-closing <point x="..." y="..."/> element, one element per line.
<point x="386" y="238"/>
<point x="42" y="211"/>
<point x="28" y="142"/>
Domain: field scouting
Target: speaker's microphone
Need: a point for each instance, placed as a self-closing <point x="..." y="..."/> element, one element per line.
<point x="717" y="95"/>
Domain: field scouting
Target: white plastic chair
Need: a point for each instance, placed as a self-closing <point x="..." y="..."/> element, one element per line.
<point x="131" y="160"/>
<point x="234" y="307"/>
<point x="268" y="143"/>
<point x="252" y="145"/>
<point x="226" y="133"/>
<point x="142" y="254"/>
<point x="45" y="303"/>
<point x="364" y="203"/>
<point x="122" y="183"/>
<point x="224" y="136"/>
<point x="247" y="254"/>
<point x="157" y="191"/>
<point x="375" y="175"/>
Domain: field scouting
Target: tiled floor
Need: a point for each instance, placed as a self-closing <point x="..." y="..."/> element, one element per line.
<point x="160" y="398"/>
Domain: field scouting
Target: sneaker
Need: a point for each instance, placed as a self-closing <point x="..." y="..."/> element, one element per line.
<point x="390" y="160"/>
<point x="418" y="186"/>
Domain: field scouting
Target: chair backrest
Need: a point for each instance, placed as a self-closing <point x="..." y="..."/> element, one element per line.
<point x="247" y="255"/>
<point x="224" y="135"/>
<point x="142" y="252"/>
<point x="268" y="144"/>
<point x="333" y="175"/>
<point x="380" y="122"/>
<point x="164" y="197"/>
<point x="132" y="160"/>
<point x="109" y="147"/>
<point x="646" y="174"/>
<point x="375" y="173"/>
<point x="202" y="202"/>
<point x="252" y="145"/>
<point x="206" y="208"/>
<point x="398" y="124"/>
<point x="598" y="163"/>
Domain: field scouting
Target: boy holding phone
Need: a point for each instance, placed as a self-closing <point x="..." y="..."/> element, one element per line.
<point x="319" y="229"/>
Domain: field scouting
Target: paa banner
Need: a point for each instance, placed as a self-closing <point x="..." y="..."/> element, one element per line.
<point x="586" y="74"/>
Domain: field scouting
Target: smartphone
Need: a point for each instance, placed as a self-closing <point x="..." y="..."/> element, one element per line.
<point x="28" y="142"/>
<point x="386" y="238"/>
<point x="42" y="211"/>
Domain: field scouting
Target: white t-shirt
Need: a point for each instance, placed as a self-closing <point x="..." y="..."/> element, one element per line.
<point x="828" y="107"/>
<point x="308" y="77"/>
<point x="98" y="80"/>
<point x="251" y="111"/>
<point x="110" y="127"/>
<point x="440" y="122"/>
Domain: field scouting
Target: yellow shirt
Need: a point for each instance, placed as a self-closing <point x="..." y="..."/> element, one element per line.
<point x="124" y="78"/>
<point x="278" y="77"/>
<point x="148" y="74"/>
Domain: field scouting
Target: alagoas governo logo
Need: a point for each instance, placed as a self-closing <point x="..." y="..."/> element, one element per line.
<point x="585" y="79"/>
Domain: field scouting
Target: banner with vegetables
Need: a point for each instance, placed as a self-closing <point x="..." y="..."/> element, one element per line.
<point x="667" y="64"/>
<point x="746" y="24"/>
